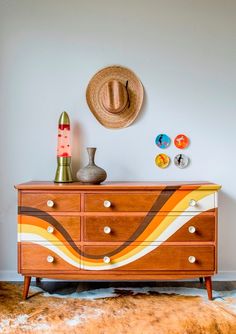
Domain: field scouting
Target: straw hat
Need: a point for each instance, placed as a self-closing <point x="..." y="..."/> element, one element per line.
<point x="115" y="95"/>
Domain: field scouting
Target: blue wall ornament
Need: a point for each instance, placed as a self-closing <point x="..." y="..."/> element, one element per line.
<point x="163" y="141"/>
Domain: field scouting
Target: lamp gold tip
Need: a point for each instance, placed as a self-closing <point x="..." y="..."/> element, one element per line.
<point x="64" y="118"/>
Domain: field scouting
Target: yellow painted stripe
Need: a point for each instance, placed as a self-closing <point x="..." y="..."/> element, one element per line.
<point x="30" y="229"/>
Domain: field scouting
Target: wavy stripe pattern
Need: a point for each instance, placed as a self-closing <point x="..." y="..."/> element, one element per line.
<point x="153" y="231"/>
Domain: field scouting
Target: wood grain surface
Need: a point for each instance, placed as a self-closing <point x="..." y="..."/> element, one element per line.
<point x="152" y="185"/>
<point x="124" y="228"/>
<point x="62" y="201"/>
<point x="165" y="257"/>
<point x="33" y="257"/>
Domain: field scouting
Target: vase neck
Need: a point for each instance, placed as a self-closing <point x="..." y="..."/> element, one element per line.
<point x="91" y="154"/>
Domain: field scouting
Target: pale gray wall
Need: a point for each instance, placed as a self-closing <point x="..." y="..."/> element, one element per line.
<point x="184" y="51"/>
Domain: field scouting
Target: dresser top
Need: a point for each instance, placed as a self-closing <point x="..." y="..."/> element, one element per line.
<point x="119" y="185"/>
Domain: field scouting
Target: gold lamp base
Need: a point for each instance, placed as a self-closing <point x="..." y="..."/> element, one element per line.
<point x="63" y="172"/>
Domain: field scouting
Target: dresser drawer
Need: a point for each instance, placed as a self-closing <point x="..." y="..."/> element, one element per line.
<point x="49" y="202"/>
<point x="50" y="257"/>
<point x="49" y="228"/>
<point x="112" y="202"/>
<point x="111" y="228"/>
<point x="165" y="201"/>
<point x="194" y="201"/>
<point x="169" y="228"/>
<point x="162" y="258"/>
<point x="201" y="228"/>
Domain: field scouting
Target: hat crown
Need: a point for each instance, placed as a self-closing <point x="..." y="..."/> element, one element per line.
<point x="114" y="96"/>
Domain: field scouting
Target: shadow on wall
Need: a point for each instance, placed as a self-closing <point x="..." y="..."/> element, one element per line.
<point x="77" y="147"/>
<point x="227" y="232"/>
<point x="143" y="109"/>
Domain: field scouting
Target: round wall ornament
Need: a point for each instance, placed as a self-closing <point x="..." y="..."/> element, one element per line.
<point x="181" y="160"/>
<point x="162" y="160"/>
<point x="163" y="141"/>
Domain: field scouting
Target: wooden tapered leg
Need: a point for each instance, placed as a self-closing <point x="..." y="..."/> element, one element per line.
<point x="201" y="279"/>
<point x="27" y="280"/>
<point x="208" y="287"/>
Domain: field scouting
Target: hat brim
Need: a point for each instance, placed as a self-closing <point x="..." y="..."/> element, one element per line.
<point x="135" y="90"/>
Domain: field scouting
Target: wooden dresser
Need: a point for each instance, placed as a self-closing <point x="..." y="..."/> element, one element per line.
<point x="117" y="231"/>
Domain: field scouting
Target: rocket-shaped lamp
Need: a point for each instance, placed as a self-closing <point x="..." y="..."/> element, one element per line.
<point x="63" y="173"/>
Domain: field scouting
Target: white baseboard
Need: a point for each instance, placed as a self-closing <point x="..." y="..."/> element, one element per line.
<point x="225" y="276"/>
<point x="10" y="276"/>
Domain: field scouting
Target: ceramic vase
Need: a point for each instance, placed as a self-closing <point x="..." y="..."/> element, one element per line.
<point x="91" y="174"/>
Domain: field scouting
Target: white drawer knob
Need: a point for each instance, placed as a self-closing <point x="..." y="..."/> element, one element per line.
<point x="106" y="259"/>
<point x="107" y="230"/>
<point x="50" y="203"/>
<point x="192" y="229"/>
<point x="192" y="259"/>
<point x="107" y="204"/>
<point x="192" y="202"/>
<point x="50" y="259"/>
<point x="50" y="229"/>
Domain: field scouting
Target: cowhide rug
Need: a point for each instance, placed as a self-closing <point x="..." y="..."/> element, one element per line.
<point x="159" y="310"/>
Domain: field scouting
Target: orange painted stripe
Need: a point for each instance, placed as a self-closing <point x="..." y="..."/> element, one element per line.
<point x="159" y="217"/>
<point x="36" y="221"/>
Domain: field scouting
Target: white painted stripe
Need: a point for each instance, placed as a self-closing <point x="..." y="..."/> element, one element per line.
<point x="216" y="199"/>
